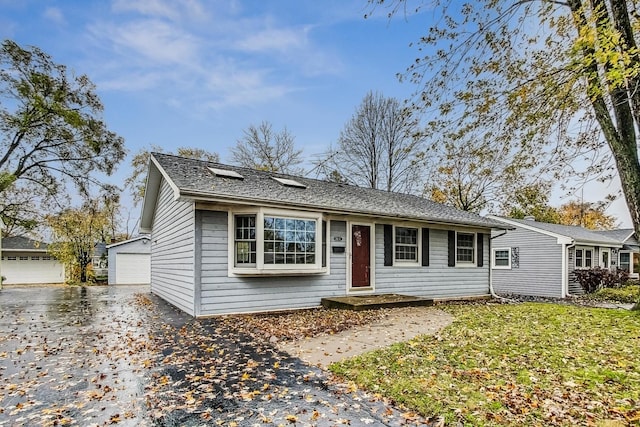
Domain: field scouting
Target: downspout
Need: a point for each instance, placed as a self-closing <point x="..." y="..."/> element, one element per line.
<point x="565" y="268"/>
<point x="493" y="293"/>
<point x="1" y="228"/>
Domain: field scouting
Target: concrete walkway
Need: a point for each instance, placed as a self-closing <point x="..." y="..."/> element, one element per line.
<point x="402" y="325"/>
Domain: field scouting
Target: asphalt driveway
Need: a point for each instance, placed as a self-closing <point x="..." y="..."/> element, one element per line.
<point x="119" y="356"/>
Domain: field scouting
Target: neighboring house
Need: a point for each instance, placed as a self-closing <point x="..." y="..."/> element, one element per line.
<point x="26" y="261"/>
<point x="629" y="254"/>
<point x="130" y="261"/>
<point x="226" y="239"/>
<point x="539" y="259"/>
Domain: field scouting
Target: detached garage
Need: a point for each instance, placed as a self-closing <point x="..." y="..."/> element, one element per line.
<point x="27" y="262"/>
<point x="130" y="262"/>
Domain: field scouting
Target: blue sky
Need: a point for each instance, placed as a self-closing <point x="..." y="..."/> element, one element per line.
<point x="197" y="73"/>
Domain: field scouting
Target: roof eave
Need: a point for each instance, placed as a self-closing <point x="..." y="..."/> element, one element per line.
<point x="196" y="195"/>
<point x="124" y="242"/>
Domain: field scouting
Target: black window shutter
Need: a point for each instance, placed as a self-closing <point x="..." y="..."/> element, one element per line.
<point x="480" y="251"/>
<point x="325" y="230"/>
<point x="388" y="244"/>
<point x="452" y="248"/>
<point x="425" y="247"/>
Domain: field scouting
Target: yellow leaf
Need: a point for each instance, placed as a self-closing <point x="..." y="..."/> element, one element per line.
<point x="291" y="418"/>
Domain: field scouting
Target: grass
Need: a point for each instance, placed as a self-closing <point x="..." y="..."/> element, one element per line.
<point x="525" y="364"/>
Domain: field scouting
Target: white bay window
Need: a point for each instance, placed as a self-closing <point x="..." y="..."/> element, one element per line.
<point x="267" y="241"/>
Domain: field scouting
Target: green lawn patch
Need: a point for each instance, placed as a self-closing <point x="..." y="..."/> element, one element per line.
<point x="626" y="294"/>
<point x="524" y="364"/>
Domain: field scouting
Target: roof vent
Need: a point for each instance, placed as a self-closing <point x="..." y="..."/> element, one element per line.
<point x="226" y="173"/>
<point x="530" y="218"/>
<point x="289" y="182"/>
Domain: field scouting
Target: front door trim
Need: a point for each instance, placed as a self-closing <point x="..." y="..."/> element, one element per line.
<point x="372" y="258"/>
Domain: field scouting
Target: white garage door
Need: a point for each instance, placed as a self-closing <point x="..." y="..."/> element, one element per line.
<point x="34" y="270"/>
<point x="133" y="269"/>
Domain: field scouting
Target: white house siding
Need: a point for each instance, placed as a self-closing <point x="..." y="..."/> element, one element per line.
<point x="141" y="246"/>
<point x="172" y="255"/>
<point x="540" y="264"/>
<point x="437" y="280"/>
<point x="220" y="294"/>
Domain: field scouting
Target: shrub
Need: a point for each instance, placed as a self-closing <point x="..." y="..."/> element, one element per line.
<point x="598" y="278"/>
<point x="626" y="294"/>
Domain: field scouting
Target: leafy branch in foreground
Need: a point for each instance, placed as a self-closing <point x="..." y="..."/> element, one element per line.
<point x="554" y="80"/>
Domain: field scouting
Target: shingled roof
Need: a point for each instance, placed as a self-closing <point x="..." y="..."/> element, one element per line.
<point x="579" y="234"/>
<point x="193" y="179"/>
<point x="19" y="243"/>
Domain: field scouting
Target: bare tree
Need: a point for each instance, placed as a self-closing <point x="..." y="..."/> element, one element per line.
<point x="262" y="148"/>
<point x="378" y="148"/>
<point x="140" y="163"/>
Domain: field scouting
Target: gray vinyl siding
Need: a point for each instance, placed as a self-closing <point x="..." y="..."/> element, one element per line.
<point x="138" y="247"/>
<point x="540" y="265"/>
<point x="172" y="254"/>
<point x="221" y="294"/>
<point x="438" y="280"/>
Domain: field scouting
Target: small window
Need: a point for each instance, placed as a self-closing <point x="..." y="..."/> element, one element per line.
<point x="406" y="244"/>
<point x="465" y="248"/>
<point x="11" y="258"/>
<point x="625" y="261"/>
<point x="584" y="258"/>
<point x="24" y="258"/>
<point x="501" y="258"/>
<point x="46" y="258"/>
<point x="35" y="258"/>
<point x="245" y="240"/>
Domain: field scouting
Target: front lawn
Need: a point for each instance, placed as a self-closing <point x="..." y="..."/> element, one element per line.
<point x="524" y="364"/>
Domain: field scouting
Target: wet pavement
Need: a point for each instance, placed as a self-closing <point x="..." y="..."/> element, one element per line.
<point x="119" y="356"/>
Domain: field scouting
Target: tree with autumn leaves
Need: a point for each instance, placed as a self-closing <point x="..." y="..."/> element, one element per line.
<point x="75" y="233"/>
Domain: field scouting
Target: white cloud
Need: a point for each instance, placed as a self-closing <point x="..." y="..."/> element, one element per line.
<point x="281" y="39"/>
<point x="55" y="15"/>
<point x="151" y="42"/>
<point x="172" y="10"/>
<point x="207" y="59"/>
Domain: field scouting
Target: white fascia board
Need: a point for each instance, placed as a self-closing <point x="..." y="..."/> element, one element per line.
<point x="124" y="242"/>
<point x="151" y="192"/>
<point x="560" y="238"/>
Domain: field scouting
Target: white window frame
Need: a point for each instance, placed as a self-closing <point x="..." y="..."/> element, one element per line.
<point x="493" y="259"/>
<point x="471" y="263"/>
<point x="260" y="268"/>
<point x="403" y="262"/>
<point x="584" y="250"/>
<point x="620" y="253"/>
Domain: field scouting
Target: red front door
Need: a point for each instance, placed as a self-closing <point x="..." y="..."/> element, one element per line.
<point x="361" y="256"/>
